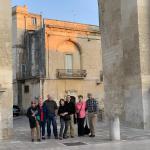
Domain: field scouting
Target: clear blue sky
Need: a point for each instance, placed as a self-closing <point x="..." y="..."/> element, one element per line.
<point x="83" y="11"/>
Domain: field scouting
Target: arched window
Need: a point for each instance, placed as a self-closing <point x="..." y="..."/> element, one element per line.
<point x="71" y="55"/>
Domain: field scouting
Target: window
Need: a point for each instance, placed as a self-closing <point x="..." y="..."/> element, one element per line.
<point x="26" y="89"/>
<point x="69" y="63"/>
<point x="23" y="70"/>
<point x="34" y="21"/>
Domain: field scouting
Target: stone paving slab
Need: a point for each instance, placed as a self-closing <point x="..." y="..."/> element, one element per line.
<point x="21" y="139"/>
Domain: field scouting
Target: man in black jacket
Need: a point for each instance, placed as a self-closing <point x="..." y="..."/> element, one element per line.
<point x="71" y="109"/>
<point x="52" y="111"/>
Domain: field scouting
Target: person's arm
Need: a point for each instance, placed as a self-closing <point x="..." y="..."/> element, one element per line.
<point x="29" y="113"/>
<point x="97" y="106"/>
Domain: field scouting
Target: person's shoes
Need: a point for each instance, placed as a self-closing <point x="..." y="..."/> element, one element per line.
<point x="43" y="137"/>
<point x="92" y="135"/>
<point x="60" y="138"/>
<point x="56" y="137"/>
<point x="48" y="137"/>
<point x="32" y="140"/>
<point x="65" y="137"/>
<point x="72" y="136"/>
<point x="39" y="140"/>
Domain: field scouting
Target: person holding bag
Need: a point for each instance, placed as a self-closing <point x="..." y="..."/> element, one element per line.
<point x="86" y="126"/>
<point x="81" y="114"/>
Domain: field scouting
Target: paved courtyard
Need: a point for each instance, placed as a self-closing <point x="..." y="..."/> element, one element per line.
<point x="132" y="139"/>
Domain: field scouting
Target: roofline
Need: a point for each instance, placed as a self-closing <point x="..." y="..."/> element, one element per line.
<point x="72" y="22"/>
<point x="57" y="19"/>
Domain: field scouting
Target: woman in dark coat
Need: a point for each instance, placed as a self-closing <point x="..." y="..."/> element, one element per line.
<point x="32" y="113"/>
<point x="64" y="119"/>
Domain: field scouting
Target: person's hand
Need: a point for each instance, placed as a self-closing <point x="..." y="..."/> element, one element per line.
<point x="66" y="113"/>
<point x="63" y="114"/>
<point x="33" y="115"/>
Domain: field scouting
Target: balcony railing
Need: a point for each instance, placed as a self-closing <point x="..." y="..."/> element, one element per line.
<point x="71" y="74"/>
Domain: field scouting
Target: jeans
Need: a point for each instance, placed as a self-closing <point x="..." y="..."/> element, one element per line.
<point x="52" y="120"/>
<point x="63" y="127"/>
<point x="81" y="126"/>
<point x="42" y="126"/>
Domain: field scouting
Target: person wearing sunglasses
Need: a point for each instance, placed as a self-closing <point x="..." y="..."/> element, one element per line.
<point x="34" y="123"/>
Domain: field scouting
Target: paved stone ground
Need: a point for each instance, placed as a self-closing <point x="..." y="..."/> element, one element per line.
<point x="132" y="139"/>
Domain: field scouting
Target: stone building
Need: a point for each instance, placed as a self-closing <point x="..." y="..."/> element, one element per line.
<point x="54" y="57"/>
<point x="6" y="93"/>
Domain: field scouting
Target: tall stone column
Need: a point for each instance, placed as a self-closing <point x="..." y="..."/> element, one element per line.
<point x="125" y="31"/>
<point x="144" y="46"/>
<point x="6" y="94"/>
<point x="112" y="56"/>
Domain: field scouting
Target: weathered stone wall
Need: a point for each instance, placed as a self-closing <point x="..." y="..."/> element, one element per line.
<point x="60" y="88"/>
<point x="28" y="96"/>
<point x="121" y="60"/>
<point x="84" y="43"/>
<point x="125" y="36"/>
<point x="132" y="69"/>
<point x="21" y="21"/>
<point x="144" y="45"/>
<point x="112" y="56"/>
<point x="6" y="96"/>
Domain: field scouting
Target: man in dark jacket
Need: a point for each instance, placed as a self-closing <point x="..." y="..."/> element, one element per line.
<point x="71" y="109"/>
<point x="52" y="111"/>
<point x="34" y="124"/>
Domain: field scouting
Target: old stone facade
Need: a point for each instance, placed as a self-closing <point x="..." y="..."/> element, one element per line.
<point x="54" y="57"/>
<point x="125" y="30"/>
<point x="6" y="93"/>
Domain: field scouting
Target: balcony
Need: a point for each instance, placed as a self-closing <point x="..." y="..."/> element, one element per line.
<point x="71" y="74"/>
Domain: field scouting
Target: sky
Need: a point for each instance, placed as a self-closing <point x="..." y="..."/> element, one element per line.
<point x="82" y="11"/>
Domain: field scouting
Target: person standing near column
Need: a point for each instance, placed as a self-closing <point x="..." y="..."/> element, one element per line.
<point x="92" y="109"/>
<point x="71" y="109"/>
<point x="52" y="113"/>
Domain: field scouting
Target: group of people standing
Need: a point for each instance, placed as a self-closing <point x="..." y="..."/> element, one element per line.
<point x="45" y="113"/>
